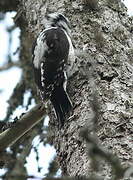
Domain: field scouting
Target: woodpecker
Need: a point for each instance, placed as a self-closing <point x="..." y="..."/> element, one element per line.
<point x="51" y="51"/>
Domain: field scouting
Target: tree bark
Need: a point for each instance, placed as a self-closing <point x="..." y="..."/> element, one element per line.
<point x="102" y="78"/>
<point x="105" y="68"/>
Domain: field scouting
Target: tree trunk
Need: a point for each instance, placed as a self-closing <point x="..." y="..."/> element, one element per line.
<point x="104" y="66"/>
<point x="101" y="82"/>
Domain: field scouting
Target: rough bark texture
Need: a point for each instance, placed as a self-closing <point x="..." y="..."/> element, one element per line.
<point x="106" y="34"/>
<point x="104" y="67"/>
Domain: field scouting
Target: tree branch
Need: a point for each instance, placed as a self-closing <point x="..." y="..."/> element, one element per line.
<point x="9" y="65"/>
<point x="27" y="121"/>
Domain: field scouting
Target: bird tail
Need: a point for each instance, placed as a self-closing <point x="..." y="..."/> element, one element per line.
<point x="62" y="104"/>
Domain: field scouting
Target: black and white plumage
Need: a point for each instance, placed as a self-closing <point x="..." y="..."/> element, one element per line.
<point x="51" y="51"/>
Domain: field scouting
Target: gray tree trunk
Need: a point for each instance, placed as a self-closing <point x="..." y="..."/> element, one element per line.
<point x="101" y="84"/>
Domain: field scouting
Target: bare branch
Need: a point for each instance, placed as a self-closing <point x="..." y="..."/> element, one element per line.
<point x="27" y="121"/>
<point x="9" y="65"/>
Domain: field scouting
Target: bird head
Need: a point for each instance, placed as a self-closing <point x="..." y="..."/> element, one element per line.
<point x="58" y="20"/>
